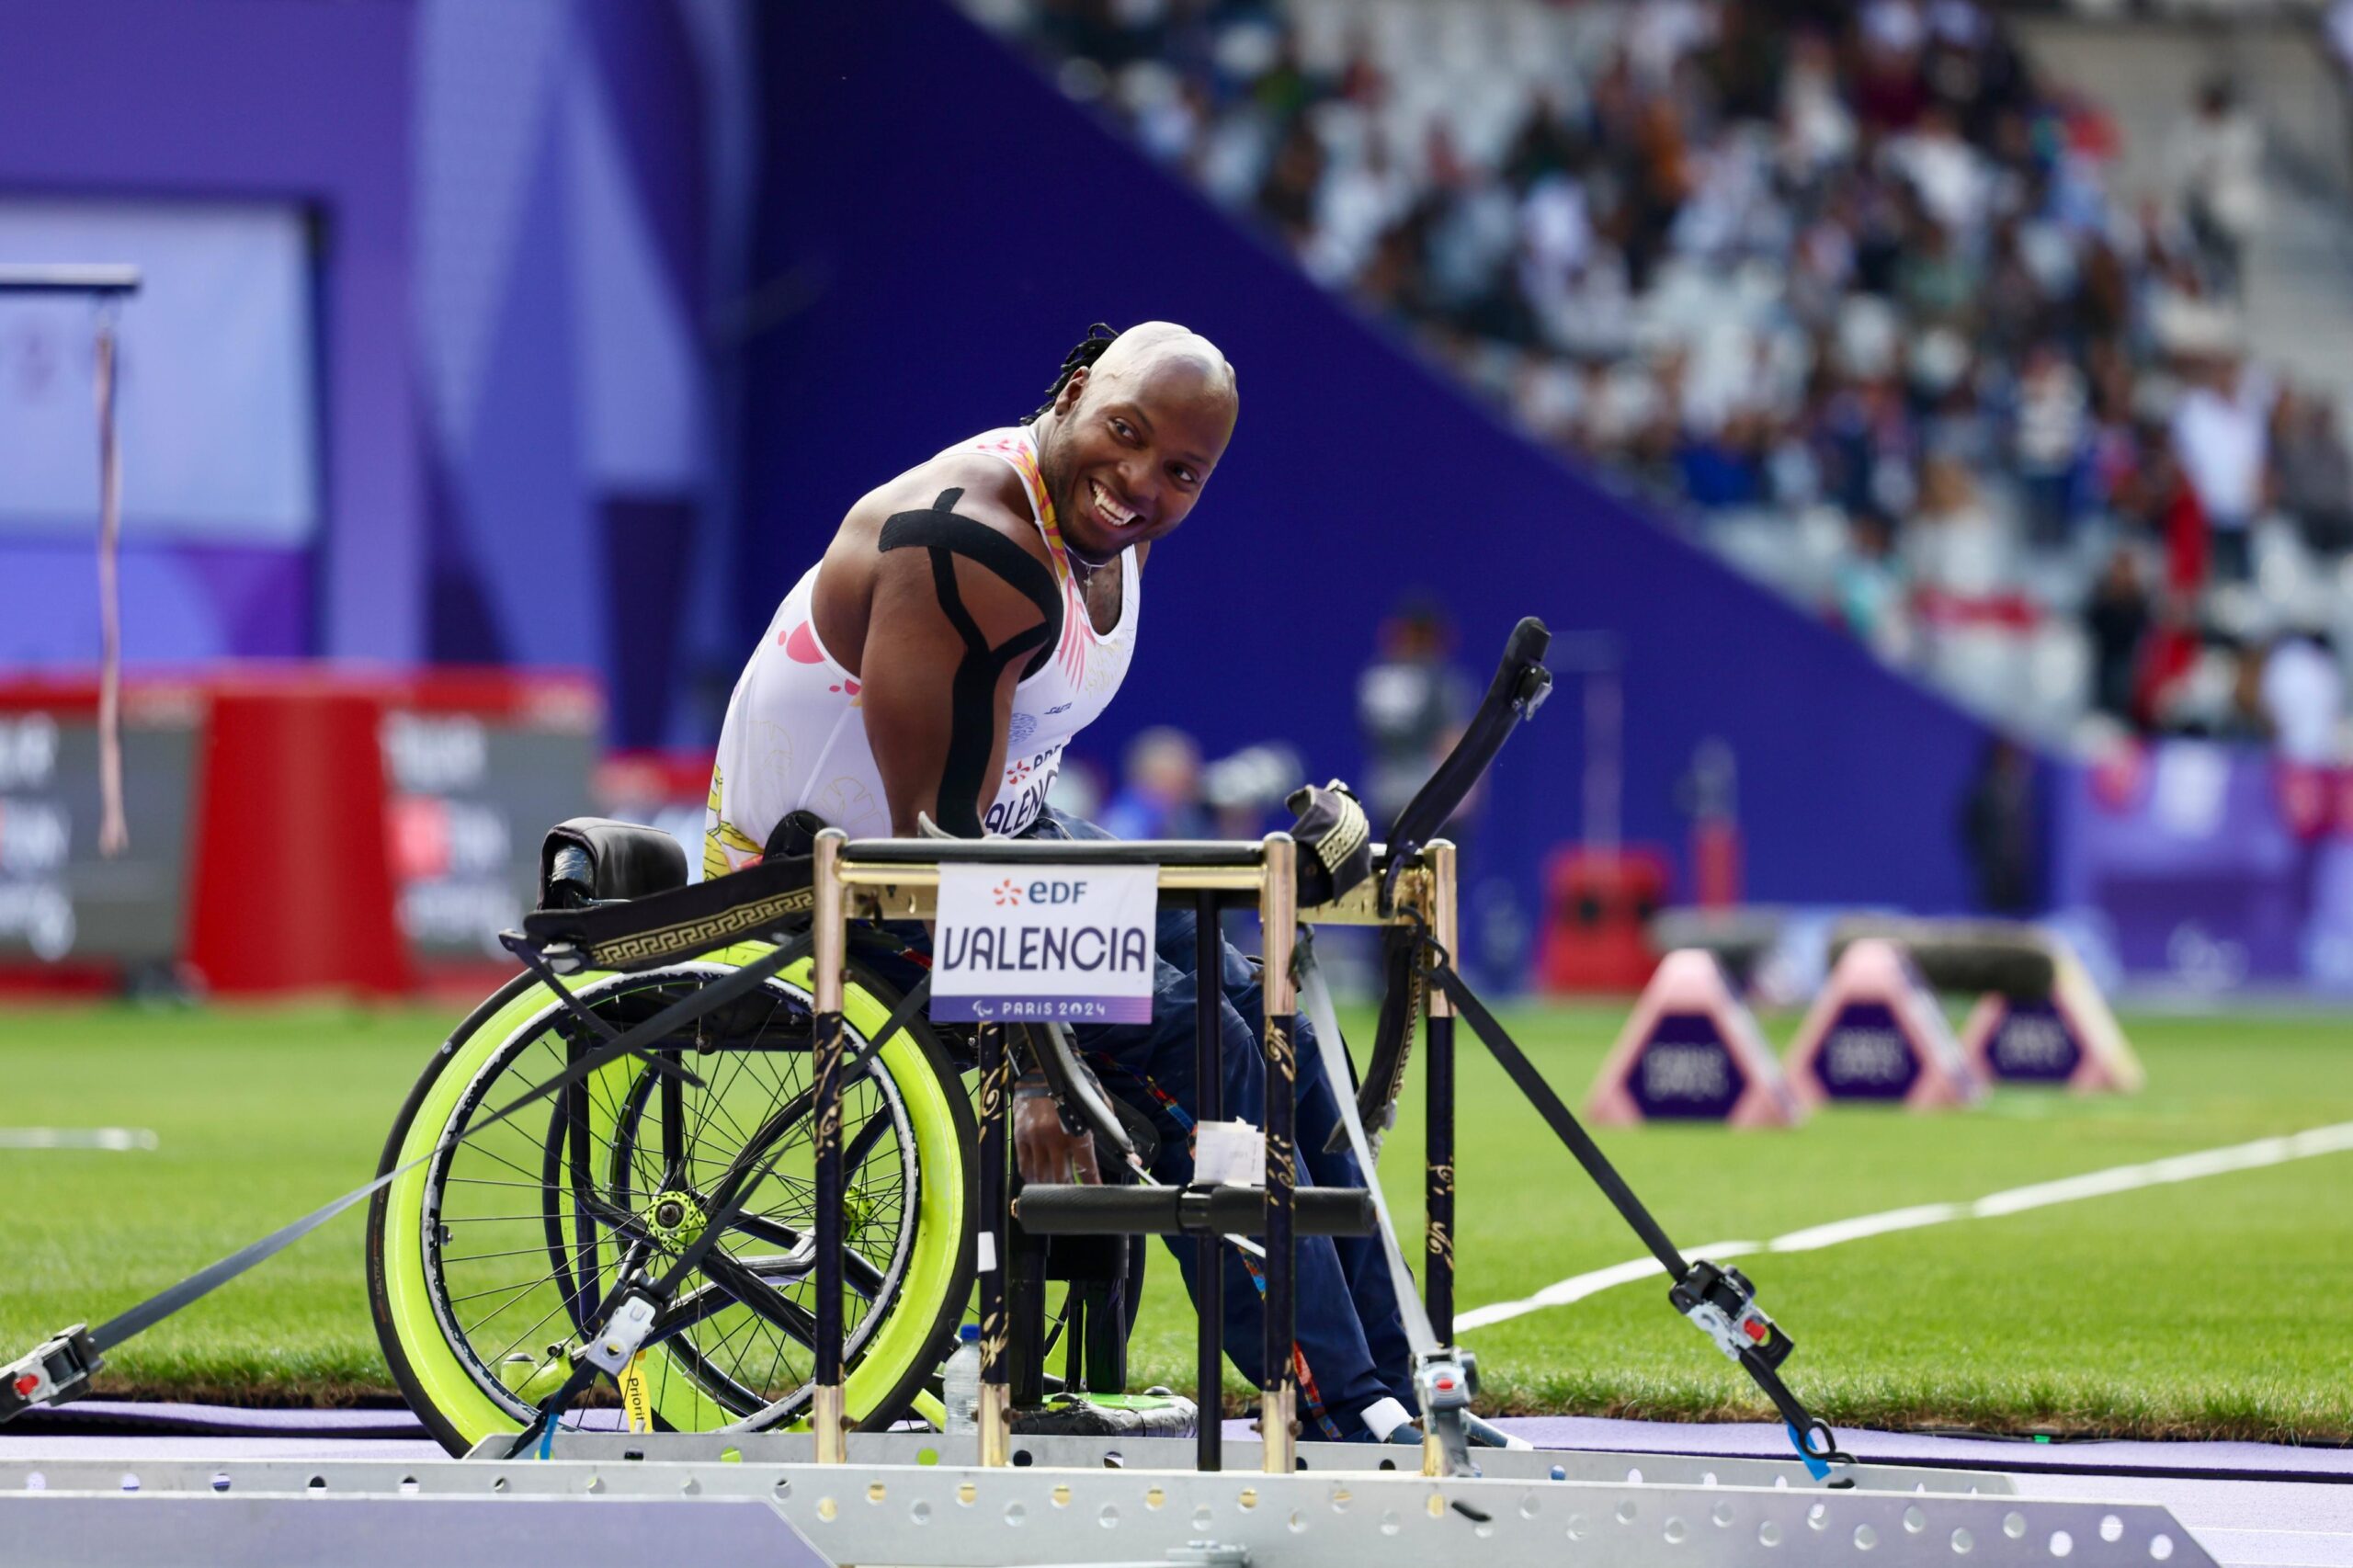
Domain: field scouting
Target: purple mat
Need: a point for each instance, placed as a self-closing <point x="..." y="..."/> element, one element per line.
<point x="97" y="1417"/>
<point x="2255" y="1460"/>
<point x="128" y="1418"/>
<point x="2251" y="1461"/>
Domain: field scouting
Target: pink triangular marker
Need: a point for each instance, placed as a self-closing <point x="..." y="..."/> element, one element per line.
<point x="1877" y="1032"/>
<point x="2069" y="1039"/>
<point x="1691" y="1053"/>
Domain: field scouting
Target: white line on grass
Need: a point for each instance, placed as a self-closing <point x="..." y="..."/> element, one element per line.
<point x="122" y="1139"/>
<point x="2304" y="1145"/>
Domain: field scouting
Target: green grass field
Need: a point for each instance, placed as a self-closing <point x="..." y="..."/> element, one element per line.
<point x="2204" y="1308"/>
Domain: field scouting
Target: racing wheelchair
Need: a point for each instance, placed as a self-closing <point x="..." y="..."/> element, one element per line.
<point x="506" y="1241"/>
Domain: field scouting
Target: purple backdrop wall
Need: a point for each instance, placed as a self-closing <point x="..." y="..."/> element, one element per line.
<point x="523" y="209"/>
<point x="246" y="98"/>
<point x="944" y="223"/>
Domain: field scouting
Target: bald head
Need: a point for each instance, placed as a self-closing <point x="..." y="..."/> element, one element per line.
<point x="1130" y="440"/>
<point x="1156" y="348"/>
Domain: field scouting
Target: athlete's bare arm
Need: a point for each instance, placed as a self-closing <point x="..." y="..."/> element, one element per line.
<point x="957" y="609"/>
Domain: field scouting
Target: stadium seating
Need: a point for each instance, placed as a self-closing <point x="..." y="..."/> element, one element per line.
<point x="1852" y="294"/>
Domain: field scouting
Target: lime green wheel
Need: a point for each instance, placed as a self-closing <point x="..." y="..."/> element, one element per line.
<point x="490" y="1262"/>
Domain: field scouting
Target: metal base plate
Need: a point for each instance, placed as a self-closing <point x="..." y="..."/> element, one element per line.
<point x="963" y="1517"/>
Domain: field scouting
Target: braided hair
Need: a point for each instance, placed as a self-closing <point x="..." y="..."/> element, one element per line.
<point x="1088" y="350"/>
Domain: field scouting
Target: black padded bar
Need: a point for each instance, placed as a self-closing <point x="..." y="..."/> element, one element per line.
<point x="1968" y="956"/>
<point x="1187" y="1210"/>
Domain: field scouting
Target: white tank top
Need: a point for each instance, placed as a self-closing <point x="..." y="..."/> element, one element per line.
<point x="795" y="735"/>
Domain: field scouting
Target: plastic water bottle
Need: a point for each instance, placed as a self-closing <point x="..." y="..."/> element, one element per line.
<point x="960" y="1381"/>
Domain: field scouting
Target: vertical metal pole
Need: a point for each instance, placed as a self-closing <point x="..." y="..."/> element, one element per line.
<point x="995" y="1089"/>
<point x="1437" y="1134"/>
<point x="1209" y="1256"/>
<point x="1278" y="1393"/>
<point x="827" y="1412"/>
<point x="114" y="831"/>
<point x="1603" y="781"/>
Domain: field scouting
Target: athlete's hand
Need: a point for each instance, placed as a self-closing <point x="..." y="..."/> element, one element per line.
<point x="1045" y="1151"/>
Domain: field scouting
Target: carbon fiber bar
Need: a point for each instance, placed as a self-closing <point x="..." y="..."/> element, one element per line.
<point x="1437" y="1132"/>
<point x="997" y="1087"/>
<point x="829" y="1412"/>
<point x="1209" y="1253"/>
<point x="1211" y="1212"/>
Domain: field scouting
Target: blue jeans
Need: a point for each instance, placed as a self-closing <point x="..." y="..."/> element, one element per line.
<point x="1350" y="1342"/>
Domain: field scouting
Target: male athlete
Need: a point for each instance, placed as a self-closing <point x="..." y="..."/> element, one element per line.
<point x="971" y="616"/>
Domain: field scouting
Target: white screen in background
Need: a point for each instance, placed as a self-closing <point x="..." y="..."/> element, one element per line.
<point x="216" y="380"/>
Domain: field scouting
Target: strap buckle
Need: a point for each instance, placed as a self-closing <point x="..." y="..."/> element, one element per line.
<point x="57" y="1371"/>
<point x="632" y="1322"/>
<point x="1722" y="1304"/>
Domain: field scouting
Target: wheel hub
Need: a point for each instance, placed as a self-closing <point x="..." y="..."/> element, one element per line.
<point x="674" y="1218"/>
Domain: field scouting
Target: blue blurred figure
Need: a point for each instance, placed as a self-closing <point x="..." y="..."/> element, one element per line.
<point x="1411" y="703"/>
<point x="1160" y="789"/>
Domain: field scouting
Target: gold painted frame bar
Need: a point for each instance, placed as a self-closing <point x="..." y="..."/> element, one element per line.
<point x="898" y="878"/>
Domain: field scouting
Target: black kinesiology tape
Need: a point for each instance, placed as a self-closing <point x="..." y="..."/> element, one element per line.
<point x="972" y="733"/>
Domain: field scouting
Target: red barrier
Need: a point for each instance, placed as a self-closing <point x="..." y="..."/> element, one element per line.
<point x="1597" y="909"/>
<point x="293" y="872"/>
<point x="293" y="827"/>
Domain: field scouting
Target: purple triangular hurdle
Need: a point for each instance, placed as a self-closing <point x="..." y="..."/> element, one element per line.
<point x="2069" y="1039"/>
<point x="1877" y="1032"/>
<point x="1691" y="1053"/>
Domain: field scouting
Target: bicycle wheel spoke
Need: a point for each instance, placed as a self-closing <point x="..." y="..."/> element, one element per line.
<point x="480" y="1324"/>
<point x="485" y="1257"/>
<point x="710" y="1365"/>
<point x="519" y="1170"/>
<point x="508" y="1348"/>
<point x="491" y="1181"/>
<point x="853" y="1153"/>
<point x="488" y="1218"/>
<point x="718" y="1097"/>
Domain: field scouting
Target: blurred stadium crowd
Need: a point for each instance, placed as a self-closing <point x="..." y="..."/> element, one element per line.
<point x="1842" y="290"/>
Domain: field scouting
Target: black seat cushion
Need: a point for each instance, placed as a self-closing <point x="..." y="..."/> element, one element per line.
<point x="624" y="861"/>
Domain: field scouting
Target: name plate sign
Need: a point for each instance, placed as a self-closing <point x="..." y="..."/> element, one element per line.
<point x="1044" y="944"/>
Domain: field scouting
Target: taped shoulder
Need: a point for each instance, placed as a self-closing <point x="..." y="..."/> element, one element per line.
<point x="942" y="529"/>
<point x="942" y="535"/>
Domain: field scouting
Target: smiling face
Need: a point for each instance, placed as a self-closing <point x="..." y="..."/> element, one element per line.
<point x="1132" y="439"/>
